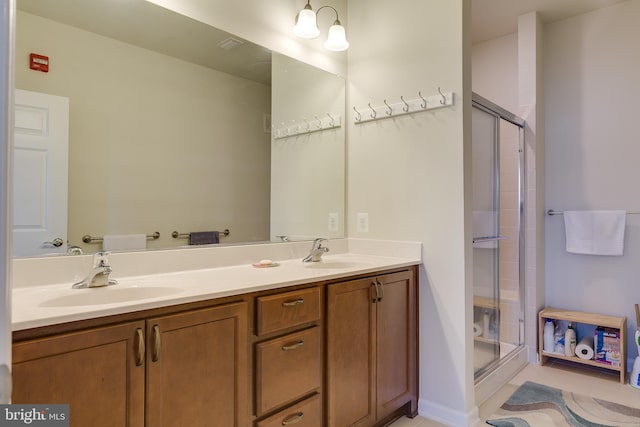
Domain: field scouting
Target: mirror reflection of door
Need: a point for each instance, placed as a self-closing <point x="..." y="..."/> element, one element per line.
<point x="40" y="168"/>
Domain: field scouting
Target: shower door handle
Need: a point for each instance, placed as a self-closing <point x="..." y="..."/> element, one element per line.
<point x="488" y="239"/>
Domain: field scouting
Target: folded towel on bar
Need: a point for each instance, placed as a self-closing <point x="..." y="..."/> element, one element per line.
<point x="122" y="242"/>
<point x="204" y="237"/>
<point x="595" y="232"/>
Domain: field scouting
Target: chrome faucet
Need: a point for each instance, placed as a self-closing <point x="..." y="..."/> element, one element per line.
<point x="99" y="274"/>
<point x="317" y="250"/>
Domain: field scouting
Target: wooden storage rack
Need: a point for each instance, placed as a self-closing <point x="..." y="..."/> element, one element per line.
<point x="619" y="323"/>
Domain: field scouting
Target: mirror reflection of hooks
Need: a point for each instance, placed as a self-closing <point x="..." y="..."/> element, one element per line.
<point x="373" y="112"/>
<point x="424" y="101"/>
<point x="358" y="116"/>
<point x="444" y="98"/>
<point x="333" y="122"/>
<point x="406" y="106"/>
<point x="389" y="109"/>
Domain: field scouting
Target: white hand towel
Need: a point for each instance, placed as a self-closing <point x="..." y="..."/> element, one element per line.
<point x="595" y="232"/>
<point x="122" y="242"/>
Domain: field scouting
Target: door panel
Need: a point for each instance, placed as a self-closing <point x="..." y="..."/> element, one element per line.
<point x="196" y="370"/>
<point x="350" y="358"/>
<point x="40" y="169"/>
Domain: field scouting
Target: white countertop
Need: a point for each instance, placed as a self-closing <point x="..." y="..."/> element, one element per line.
<point x="35" y="306"/>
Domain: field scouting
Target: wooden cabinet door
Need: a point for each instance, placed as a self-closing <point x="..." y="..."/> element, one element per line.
<point x="99" y="373"/>
<point x="396" y="344"/>
<point x="350" y="359"/>
<point x="197" y="368"/>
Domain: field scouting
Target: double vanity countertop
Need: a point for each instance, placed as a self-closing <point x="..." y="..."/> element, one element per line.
<point x="43" y="305"/>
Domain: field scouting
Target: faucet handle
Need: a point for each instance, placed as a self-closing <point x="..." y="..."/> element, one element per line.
<point x="101" y="259"/>
<point x="317" y="243"/>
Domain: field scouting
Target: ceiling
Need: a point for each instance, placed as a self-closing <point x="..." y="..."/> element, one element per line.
<point x="495" y="18"/>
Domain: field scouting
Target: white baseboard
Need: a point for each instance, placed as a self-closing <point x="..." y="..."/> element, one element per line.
<point x="447" y="416"/>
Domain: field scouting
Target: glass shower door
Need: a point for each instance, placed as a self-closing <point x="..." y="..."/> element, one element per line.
<point x="486" y="238"/>
<point x="498" y="239"/>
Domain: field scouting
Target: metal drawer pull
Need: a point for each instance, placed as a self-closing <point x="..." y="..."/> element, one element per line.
<point x="293" y="419"/>
<point x="293" y="303"/>
<point x="292" y="346"/>
<point x="155" y="355"/>
<point x="381" y="290"/>
<point x="140" y="355"/>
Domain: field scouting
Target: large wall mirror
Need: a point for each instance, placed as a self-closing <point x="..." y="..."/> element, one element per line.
<point x="170" y="128"/>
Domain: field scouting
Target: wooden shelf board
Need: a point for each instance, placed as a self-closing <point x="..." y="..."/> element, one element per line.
<point x="582" y="361"/>
<point x="581" y="317"/>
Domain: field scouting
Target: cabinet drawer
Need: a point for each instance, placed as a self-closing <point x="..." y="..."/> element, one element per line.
<point x="287" y="368"/>
<point x="287" y="309"/>
<point x="307" y="413"/>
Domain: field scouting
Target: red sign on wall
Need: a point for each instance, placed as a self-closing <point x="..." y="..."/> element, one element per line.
<point x="39" y="62"/>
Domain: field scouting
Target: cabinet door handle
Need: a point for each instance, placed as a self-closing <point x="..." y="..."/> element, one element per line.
<point x="293" y="419"/>
<point x="293" y="303"/>
<point x="140" y="347"/>
<point x="381" y="290"/>
<point x="155" y="355"/>
<point x="376" y="297"/>
<point x="292" y="346"/>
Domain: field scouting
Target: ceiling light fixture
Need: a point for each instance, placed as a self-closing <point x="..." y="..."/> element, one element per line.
<point x="307" y="27"/>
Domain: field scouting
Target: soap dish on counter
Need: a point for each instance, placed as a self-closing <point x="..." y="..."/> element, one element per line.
<point x="265" y="263"/>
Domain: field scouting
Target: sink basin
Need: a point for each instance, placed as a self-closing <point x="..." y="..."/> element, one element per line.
<point x="336" y="264"/>
<point x="109" y="295"/>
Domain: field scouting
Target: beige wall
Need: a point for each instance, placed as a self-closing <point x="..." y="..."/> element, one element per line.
<point x="410" y="174"/>
<point x="156" y="143"/>
<point x="592" y="64"/>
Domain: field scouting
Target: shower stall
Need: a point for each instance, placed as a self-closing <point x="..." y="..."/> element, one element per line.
<point x="498" y="243"/>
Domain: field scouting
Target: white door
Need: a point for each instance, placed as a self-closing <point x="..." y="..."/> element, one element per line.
<point x="40" y="174"/>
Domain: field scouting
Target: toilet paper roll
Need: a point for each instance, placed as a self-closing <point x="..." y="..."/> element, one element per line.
<point x="477" y="329"/>
<point x="584" y="349"/>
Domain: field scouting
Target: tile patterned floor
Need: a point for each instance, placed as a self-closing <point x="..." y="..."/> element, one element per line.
<point x="595" y="382"/>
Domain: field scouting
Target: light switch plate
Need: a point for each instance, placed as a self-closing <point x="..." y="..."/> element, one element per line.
<point x="362" y="220"/>
<point x="333" y="221"/>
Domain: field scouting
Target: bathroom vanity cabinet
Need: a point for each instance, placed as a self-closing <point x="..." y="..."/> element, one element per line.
<point x="371" y="349"/>
<point x="187" y="368"/>
<point x="339" y="352"/>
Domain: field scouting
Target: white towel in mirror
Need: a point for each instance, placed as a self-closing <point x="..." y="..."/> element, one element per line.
<point x="595" y="232"/>
<point x="123" y="242"/>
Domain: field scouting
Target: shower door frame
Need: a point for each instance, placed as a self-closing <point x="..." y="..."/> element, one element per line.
<point x="498" y="112"/>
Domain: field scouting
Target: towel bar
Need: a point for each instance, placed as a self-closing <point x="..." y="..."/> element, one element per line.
<point x="552" y="212"/>
<point x="177" y="235"/>
<point x="88" y="239"/>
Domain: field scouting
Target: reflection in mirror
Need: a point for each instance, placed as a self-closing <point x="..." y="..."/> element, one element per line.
<point x="168" y="127"/>
<point x="307" y="168"/>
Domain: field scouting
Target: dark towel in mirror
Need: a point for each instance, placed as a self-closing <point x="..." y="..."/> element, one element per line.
<point x="204" y="237"/>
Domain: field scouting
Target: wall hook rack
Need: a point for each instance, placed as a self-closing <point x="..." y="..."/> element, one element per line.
<point x="328" y="121"/>
<point x="404" y="107"/>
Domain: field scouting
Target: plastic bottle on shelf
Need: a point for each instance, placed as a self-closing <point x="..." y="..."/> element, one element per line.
<point x="548" y="340"/>
<point x="486" y="318"/>
<point x="570" y="341"/>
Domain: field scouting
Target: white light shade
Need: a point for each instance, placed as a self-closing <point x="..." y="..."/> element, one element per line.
<point x="337" y="39"/>
<point x="306" y="26"/>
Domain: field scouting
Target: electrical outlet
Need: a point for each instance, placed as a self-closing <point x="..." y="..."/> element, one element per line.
<point x="362" y="220"/>
<point x="333" y="222"/>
